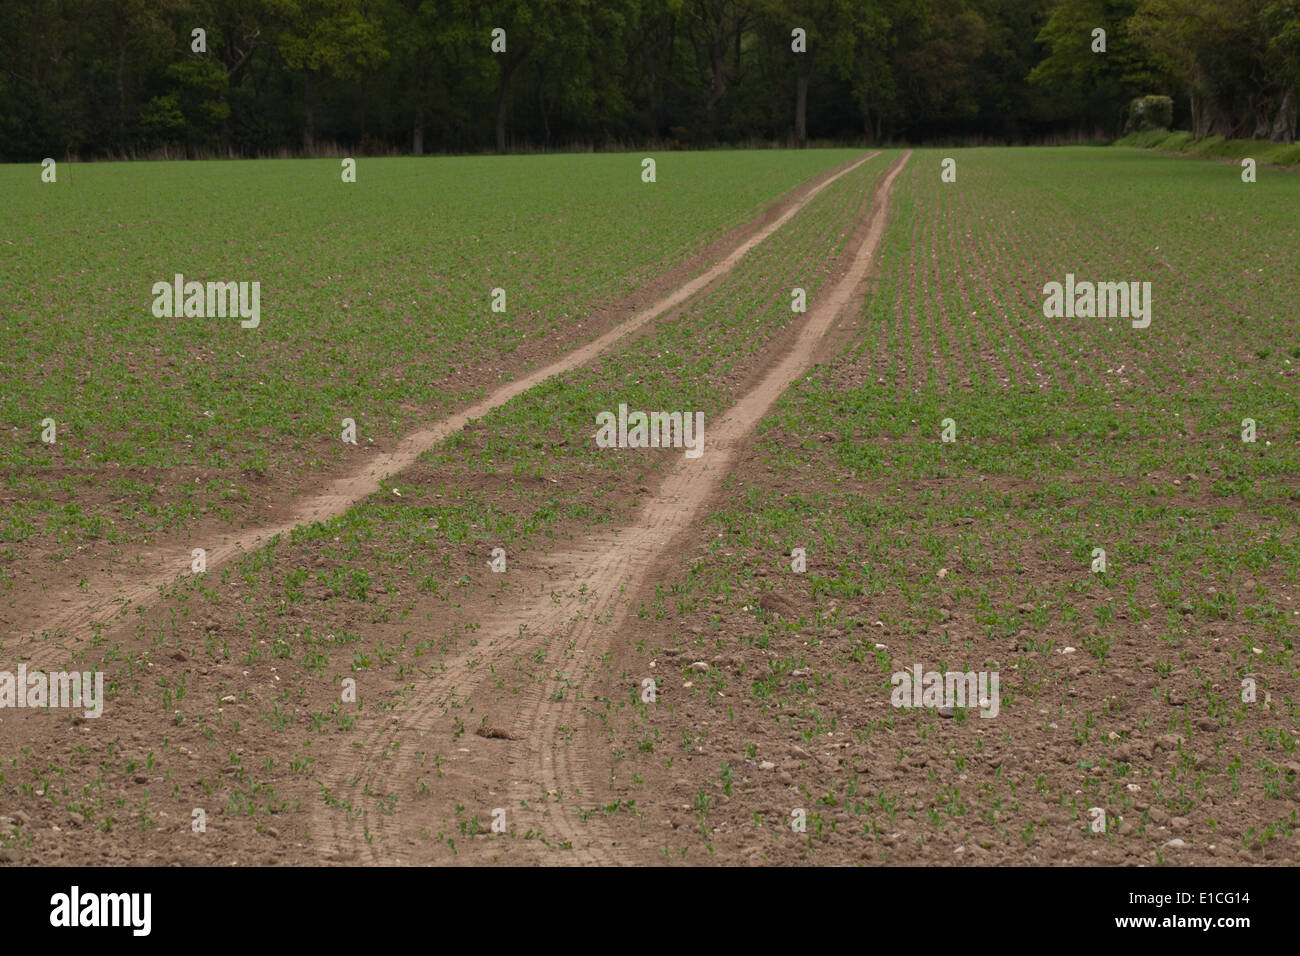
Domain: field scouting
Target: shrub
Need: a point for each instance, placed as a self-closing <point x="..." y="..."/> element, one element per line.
<point x="1150" y="112"/>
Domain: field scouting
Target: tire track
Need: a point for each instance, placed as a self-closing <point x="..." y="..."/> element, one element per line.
<point x="77" y="610"/>
<point x="575" y="616"/>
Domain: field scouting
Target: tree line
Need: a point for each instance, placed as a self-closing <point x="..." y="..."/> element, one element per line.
<point x="123" y="78"/>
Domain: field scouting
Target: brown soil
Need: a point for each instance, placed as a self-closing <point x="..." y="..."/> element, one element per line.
<point x="544" y="779"/>
<point x="528" y="707"/>
<point x="508" y="752"/>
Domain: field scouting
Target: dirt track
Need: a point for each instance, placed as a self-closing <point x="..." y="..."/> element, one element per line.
<point x="106" y="596"/>
<point x="535" y="764"/>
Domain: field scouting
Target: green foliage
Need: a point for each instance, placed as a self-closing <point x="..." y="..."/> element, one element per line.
<point x="1263" y="152"/>
<point x="113" y="77"/>
<point x="1151" y="112"/>
<point x="161" y="119"/>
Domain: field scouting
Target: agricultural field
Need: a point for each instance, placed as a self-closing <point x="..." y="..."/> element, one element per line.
<point x="375" y="305"/>
<point x="480" y="636"/>
<point x="1120" y="690"/>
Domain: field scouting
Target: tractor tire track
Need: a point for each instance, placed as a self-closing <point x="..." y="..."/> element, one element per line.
<point x="75" y="611"/>
<point x="576" y="613"/>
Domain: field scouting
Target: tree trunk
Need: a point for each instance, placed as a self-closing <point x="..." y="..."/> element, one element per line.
<point x="1260" y="109"/>
<point x="501" y="116"/>
<point x="652" y="97"/>
<point x="541" y="106"/>
<point x="1284" y="123"/>
<point x="717" y="67"/>
<point x="417" y="131"/>
<point x="503" y="102"/>
<point x="717" y="81"/>
<point x="121" y="86"/>
<point x="308" y="117"/>
<point x="801" y="109"/>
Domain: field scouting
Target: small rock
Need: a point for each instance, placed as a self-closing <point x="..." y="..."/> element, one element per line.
<point x="766" y="765"/>
<point x="1069" y="650"/>
<point x="947" y="711"/>
<point x="700" y="667"/>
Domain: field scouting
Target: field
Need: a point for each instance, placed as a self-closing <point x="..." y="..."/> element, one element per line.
<point x="477" y="636"/>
